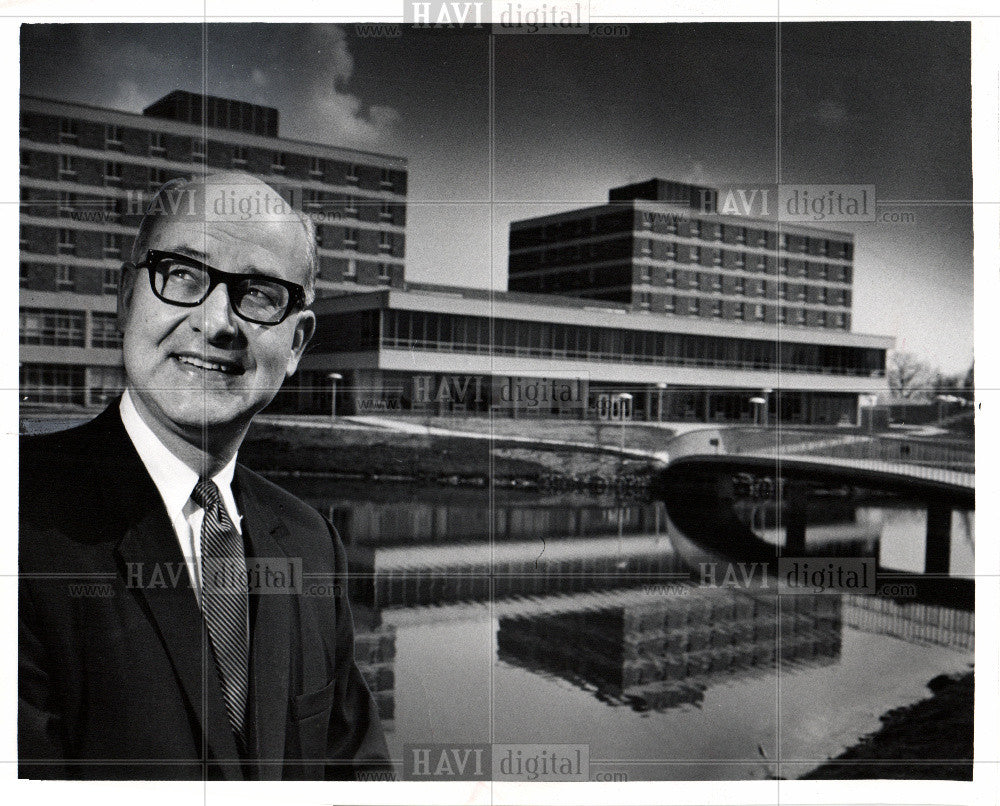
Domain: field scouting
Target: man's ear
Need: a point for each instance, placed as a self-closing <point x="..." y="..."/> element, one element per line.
<point x="126" y="288"/>
<point x="305" y="326"/>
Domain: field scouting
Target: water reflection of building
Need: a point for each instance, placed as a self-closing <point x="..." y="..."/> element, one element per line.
<point x="914" y="622"/>
<point x="383" y="523"/>
<point x="375" y="653"/>
<point x="663" y="653"/>
<point x="408" y="576"/>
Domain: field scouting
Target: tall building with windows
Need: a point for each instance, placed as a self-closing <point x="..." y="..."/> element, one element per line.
<point x="86" y="176"/>
<point x="661" y="247"/>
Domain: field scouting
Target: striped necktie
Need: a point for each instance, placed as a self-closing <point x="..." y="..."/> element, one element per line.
<point x="224" y="601"/>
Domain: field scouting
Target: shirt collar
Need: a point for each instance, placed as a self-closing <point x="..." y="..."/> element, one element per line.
<point x="174" y="479"/>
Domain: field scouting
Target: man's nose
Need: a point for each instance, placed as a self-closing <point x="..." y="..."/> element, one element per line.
<point x="215" y="315"/>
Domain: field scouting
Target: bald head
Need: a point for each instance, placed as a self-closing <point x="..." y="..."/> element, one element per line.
<point x="237" y="202"/>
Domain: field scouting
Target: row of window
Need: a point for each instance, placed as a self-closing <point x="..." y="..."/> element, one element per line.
<point x="748" y="312"/>
<point x="48" y="384"/>
<point x="718" y="284"/>
<point x="400" y="329"/>
<point x="55" y="327"/>
<point x="625" y="220"/>
<point x="733" y="260"/>
<point x="110" y="246"/>
<point x="121" y="139"/>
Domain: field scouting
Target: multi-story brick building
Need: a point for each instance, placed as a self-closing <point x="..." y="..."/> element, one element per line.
<point x="86" y="176"/>
<point x="659" y="246"/>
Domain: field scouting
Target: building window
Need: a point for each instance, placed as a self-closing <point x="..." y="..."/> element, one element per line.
<point x="112" y="174"/>
<point x="669" y="277"/>
<point x="351" y="270"/>
<point x="783" y="241"/>
<point x="112" y="245"/>
<point x="104" y="330"/>
<point x="385" y="242"/>
<point x="695" y="228"/>
<point x="671" y="225"/>
<point x="113" y="138"/>
<point x="51" y="327"/>
<point x="716" y="257"/>
<point x="67" y="204"/>
<point x="717" y="232"/>
<point x="316" y="167"/>
<point x="156" y="147"/>
<point x="105" y="383"/>
<point x="782" y="315"/>
<point x="716" y="283"/>
<point x="783" y="265"/>
<point x="800" y="316"/>
<point x="740" y="285"/>
<point x="25" y="160"/>
<point x="352" y="174"/>
<point x="783" y="291"/>
<point x="383" y="272"/>
<point x="385" y="211"/>
<point x="239" y="156"/>
<point x="109" y="280"/>
<point x="694" y="280"/>
<point x="839" y="320"/>
<point x="821" y="293"/>
<point x="67" y="131"/>
<point x="64" y="278"/>
<point x="739" y="311"/>
<point x="671" y="251"/>
<point x="741" y="235"/>
<point x="758" y="312"/>
<point x="24" y="128"/>
<point x="761" y="263"/>
<point x="278" y="162"/>
<point x="669" y="303"/>
<point x="67" y="242"/>
<point x="800" y="294"/>
<point x="644" y="299"/>
<point x="385" y="179"/>
<point x="350" y="238"/>
<point x="50" y="383"/>
<point x="694" y="254"/>
<point x="157" y="178"/>
<point x="824" y="247"/>
<point x="22" y="276"/>
<point x="717" y="308"/>
<point x="67" y="171"/>
<point x="198" y="149"/>
<point x="741" y="260"/>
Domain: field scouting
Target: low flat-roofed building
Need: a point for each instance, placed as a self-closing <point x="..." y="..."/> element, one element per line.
<point x="441" y="349"/>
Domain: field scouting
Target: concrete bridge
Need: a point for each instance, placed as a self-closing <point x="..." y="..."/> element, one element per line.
<point x="940" y="470"/>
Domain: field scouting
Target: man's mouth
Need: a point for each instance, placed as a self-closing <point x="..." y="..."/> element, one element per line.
<point x="225" y="367"/>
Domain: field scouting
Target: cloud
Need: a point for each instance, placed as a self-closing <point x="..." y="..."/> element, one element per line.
<point x="326" y="110"/>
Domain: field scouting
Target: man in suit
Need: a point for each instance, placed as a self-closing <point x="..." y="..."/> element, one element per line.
<point x="167" y="625"/>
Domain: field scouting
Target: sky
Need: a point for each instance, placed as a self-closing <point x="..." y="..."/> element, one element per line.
<point x="506" y="128"/>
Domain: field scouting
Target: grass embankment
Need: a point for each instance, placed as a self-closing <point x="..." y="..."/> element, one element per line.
<point x="931" y="739"/>
<point x="377" y="453"/>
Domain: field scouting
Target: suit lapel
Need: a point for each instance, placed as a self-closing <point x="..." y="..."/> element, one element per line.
<point x="150" y="545"/>
<point x="270" y="642"/>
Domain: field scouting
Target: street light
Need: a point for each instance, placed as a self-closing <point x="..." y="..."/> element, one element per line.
<point x="659" y="405"/>
<point x="624" y="398"/>
<point x="334" y="377"/>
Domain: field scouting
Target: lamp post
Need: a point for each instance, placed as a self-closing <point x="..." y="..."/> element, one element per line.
<point x="659" y="404"/>
<point x="334" y="377"/>
<point x="624" y="398"/>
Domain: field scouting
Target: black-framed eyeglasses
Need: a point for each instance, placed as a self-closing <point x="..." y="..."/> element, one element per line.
<point x="186" y="281"/>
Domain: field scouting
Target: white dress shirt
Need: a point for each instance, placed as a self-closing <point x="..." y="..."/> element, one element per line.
<point x="175" y="482"/>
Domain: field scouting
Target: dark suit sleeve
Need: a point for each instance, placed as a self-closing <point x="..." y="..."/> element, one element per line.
<point x="355" y="731"/>
<point x="39" y="723"/>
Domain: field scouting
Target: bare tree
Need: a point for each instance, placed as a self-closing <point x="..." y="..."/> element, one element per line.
<point x="909" y="376"/>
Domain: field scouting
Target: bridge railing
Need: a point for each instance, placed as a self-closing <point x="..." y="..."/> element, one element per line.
<point x="947" y="461"/>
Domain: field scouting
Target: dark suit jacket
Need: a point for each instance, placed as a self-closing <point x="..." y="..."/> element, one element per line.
<point x="116" y="680"/>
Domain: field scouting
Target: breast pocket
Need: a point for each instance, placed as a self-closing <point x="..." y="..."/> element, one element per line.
<point x="311" y="722"/>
